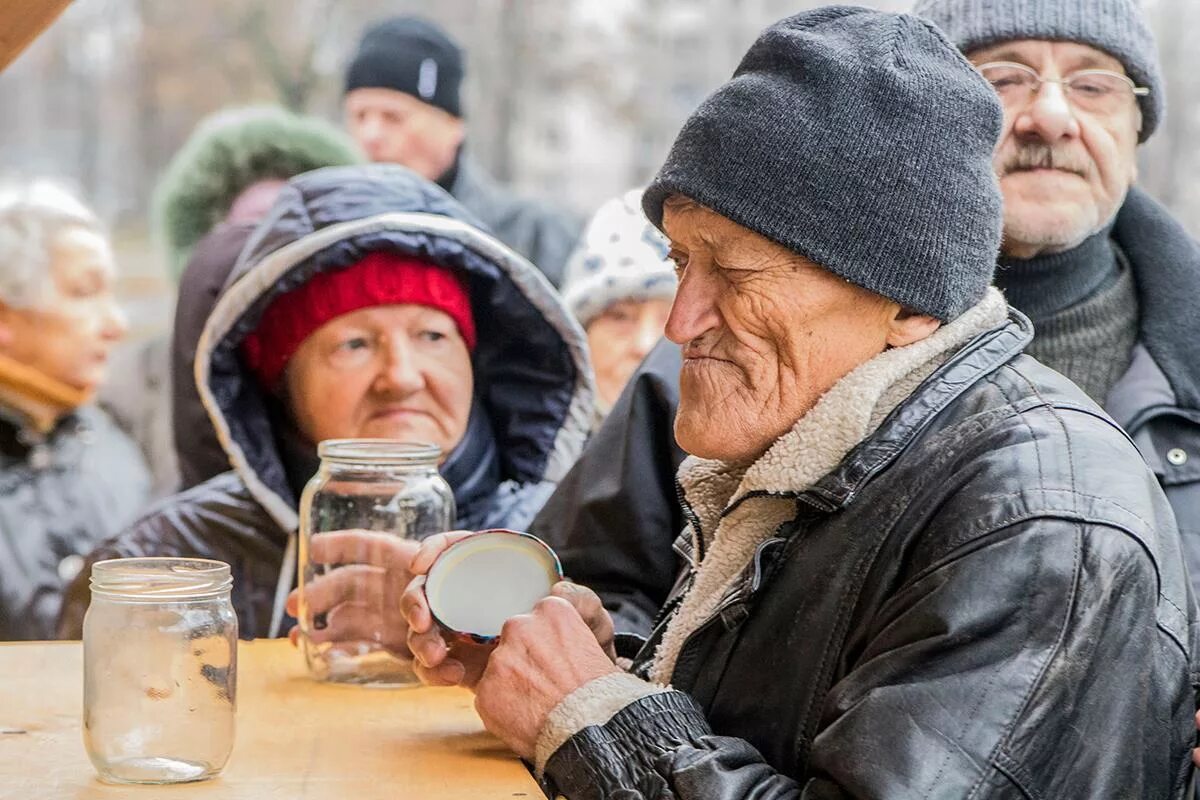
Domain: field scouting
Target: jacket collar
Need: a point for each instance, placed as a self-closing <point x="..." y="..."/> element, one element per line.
<point x="986" y="353"/>
<point x="474" y="188"/>
<point x="828" y="450"/>
<point x="1143" y="389"/>
<point x="473" y="468"/>
<point x="1166" y="268"/>
<point x="21" y="442"/>
<point x="734" y="526"/>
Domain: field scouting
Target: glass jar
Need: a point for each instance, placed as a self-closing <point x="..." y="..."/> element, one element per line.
<point x="367" y="491"/>
<point x="159" y="669"/>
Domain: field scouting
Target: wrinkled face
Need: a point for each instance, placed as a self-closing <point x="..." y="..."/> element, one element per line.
<point x="1064" y="170"/>
<point x="619" y="339"/>
<point x="764" y="332"/>
<point x="70" y="335"/>
<point x="391" y="372"/>
<point x="392" y="127"/>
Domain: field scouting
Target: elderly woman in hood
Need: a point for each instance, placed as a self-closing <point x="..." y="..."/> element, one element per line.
<point x="369" y="304"/>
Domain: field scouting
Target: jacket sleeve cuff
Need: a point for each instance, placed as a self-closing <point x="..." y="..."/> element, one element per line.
<point x="594" y="703"/>
<point x="627" y="750"/>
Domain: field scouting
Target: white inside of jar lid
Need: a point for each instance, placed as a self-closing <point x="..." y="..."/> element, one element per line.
<point x="476" y="585"/>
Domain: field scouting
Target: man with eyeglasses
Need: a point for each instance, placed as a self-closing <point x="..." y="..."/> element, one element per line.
<point x="1110" y="280"/>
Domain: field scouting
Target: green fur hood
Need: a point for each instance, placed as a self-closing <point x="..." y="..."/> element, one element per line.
<point x="228" y="152"/>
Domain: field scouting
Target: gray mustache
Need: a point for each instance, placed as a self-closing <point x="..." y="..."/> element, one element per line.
<point x="1042" y="156"/>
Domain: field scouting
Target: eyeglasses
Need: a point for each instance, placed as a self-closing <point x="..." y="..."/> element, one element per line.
<point x="1096" y="90"/>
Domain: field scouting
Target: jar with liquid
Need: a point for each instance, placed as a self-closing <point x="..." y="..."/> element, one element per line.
<point x="160" y="669"/>
<point x="367" y="495"/>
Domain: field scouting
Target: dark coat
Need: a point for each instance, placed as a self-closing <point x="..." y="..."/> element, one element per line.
<point x="532" y="382"/>
<point x="138" y="398"/>
<point x="82" y="483"/>
<point x="1157" y="401"/>
<point x="613" y="517"/>
<point x="544" y="235"/>
<point x="200" y="455"/>
<point x="985" y="599"/>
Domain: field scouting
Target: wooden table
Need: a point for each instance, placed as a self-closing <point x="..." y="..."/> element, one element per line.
<point x="296" y="738"/>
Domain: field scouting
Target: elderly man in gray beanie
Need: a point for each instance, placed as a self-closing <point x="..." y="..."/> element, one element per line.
<point x="1107" y="276"/>
<point x="1110" y="280"/>
<point x="919" y="563"/>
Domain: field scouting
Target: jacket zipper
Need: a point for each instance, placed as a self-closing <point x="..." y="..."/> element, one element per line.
<point x="694" y="521"/>
<point x="738" y="595"/>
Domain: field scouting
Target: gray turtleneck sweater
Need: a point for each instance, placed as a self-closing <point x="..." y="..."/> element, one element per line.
<point x="1084" y="309"/>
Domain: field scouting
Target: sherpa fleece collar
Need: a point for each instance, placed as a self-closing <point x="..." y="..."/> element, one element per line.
<point x="738" y="507"/>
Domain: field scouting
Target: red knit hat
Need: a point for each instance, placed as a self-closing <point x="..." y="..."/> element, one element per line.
<point x="382" y="278"/>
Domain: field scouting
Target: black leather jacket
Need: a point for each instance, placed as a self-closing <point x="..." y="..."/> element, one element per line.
<point x="985" y="599"/>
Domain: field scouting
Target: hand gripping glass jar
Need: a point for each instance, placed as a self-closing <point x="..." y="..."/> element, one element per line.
<point x="367" y="498"/>
<point x="160" y="669"/>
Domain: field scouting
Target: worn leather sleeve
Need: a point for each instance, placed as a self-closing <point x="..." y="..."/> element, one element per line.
<point x="614" y="517"/>
<point x="966" y="686"/>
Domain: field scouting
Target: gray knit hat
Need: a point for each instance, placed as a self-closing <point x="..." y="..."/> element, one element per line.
<point x="862" y="141"/>
<point x="1117" y="27"/>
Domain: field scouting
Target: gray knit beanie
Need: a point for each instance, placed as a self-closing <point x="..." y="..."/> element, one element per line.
<point x="1117" y="27"/>
<point x="862" y="141"/>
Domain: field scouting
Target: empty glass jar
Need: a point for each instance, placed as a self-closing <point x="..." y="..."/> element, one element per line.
<point x="160" y="669"/>
<point x="367" y="496"/>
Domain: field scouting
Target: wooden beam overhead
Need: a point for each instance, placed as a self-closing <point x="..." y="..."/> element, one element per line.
<point x="22" y="21"/>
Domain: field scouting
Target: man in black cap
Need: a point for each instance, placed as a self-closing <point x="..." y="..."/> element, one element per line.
<point x="403" y="106"/>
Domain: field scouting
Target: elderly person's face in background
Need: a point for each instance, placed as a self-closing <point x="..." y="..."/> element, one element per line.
<point x="764" y="332"/>
<point x="619" y="339"/>
<point x="392" y="127"/>
<point x="391" y="372"/>
<point x="69" y="335"/>
<point x="1065" y="163"/>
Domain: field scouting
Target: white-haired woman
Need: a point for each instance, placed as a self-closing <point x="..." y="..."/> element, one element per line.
<point x="68" y="476"/>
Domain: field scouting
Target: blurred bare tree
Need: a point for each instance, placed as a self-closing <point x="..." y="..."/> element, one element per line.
<point x="574" y="99"/>
<point x="1170" y="163"/>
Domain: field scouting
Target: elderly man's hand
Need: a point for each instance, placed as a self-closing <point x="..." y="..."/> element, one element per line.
<point x="542" y="657"/>
<point x="438" y="663"/>
<point x="361" y="598"/>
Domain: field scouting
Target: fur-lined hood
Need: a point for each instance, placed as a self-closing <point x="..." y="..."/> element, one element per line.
<point x="229" y="152"/>
<point x="532" y="374"/>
